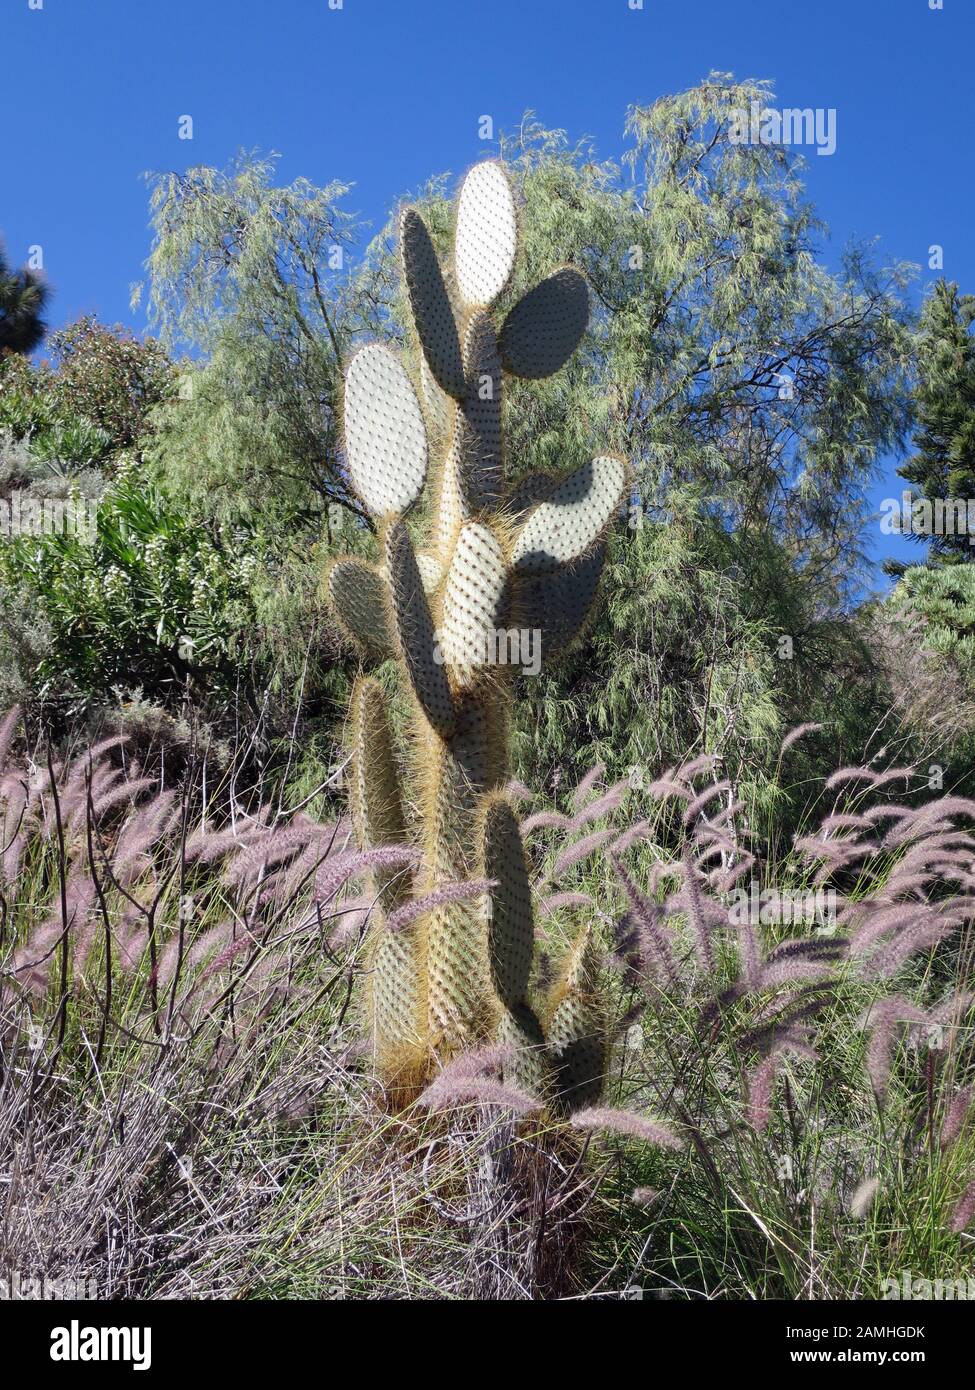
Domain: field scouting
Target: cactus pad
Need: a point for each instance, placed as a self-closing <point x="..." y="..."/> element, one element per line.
<point x="544" y="328"/>
<point x="415" y="630"/>
<point x="394" y="986"/>
<point x="431" y="570"/>
<point x="576" y="1031"/>
<point x="473" y="600"/>
<point x="385" y="441"/>
<point x="558" y="604"/>
<point x="571" y="518"/>
<point x="479" y="417"/>
<point x="527" y="494"/>
<point x="358" y="596"/>
<point x="487" y="234"/>
<point x="432" y="313"/>
<point x="374" y="791"/>
<point x="511" y="932"/>
<point x="528" y="1067"/>
<point x="438" y="407"/>
<point x="453" y="506"/>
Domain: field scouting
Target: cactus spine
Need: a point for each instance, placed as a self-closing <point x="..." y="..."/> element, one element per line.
<point x="496" y="565"/>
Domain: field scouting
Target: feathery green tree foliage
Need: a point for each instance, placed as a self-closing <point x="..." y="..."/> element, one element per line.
<point x="251" y="280"/>
<point x="751" y="388"/>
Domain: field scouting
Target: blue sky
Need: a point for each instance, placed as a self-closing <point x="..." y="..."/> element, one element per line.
<point x="383" y="93"/>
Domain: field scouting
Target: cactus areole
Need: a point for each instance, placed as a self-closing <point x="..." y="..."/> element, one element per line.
<point x="501" y="574"/>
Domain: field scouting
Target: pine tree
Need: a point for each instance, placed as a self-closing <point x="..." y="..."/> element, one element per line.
<point x="943" y="469"/>
<point x="23" y="295"/>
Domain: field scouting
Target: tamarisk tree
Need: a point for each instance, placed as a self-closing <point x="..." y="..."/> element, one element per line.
<point x="452" y="957"/>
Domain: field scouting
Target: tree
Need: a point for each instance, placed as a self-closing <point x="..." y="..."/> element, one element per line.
<point x="91" y="401"/>
<point x="925" y="639"/>
<point x="109" y="377"/>
<point x="251" y="279"/>
<point x="943" y="469"/>
<point x="23" y="296"/>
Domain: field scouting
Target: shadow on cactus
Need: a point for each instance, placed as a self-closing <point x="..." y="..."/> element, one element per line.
<point x="504" y="579"/>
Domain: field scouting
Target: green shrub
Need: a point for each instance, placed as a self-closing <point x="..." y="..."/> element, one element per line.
<point x="148" y="601"/>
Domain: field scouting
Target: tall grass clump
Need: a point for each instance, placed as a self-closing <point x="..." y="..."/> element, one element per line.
<point x="187" y="1107"/>
<point x="804" y="1029"/>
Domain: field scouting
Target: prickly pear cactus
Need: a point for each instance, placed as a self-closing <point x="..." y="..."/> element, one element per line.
<point x="501" y="570"/>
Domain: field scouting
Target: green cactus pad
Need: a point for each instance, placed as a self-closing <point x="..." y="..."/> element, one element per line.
<point x="374" y="787"/>
<point x="544" y="328"/>
<point x="456" y="988"/>
<point x="577" y="1054"/>
<point x="479" y="417"/>
<point x="415" y="630"/>
<point x="464" y="768"/>
<point x="385" y="442"/>
<point x="558" y="604"/>
<point x="461" y="770"/>
<point x="576" y="1031"/>
<point x="432" y="313"/>
<point x="511" y="929"/>
<point x="567" y="523"/>
<point x="395" y="993"/>
<point x="487" y="234"/>
<point x="358" y="596"/>
<point x="473" y="600"/>
<point x="438" y="407"/>
<point x="528" y="1066"/>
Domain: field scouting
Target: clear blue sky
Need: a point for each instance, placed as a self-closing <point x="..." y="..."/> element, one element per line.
<point x="383" y="93"/>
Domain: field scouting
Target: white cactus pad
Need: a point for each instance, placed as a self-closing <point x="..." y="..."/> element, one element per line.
<point x="473" y="600"/>
<point x="432" y="314"/>
<point x="571" y="518"/>
<point x="487" y="234"/>
<point x="558" y="604"/>
<point x="414" y="625"/>
<point x="544" y="328"/>
<point x="430" y="567"/>
<point x="385" y="441"/>
<point x="358" y="595"/>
